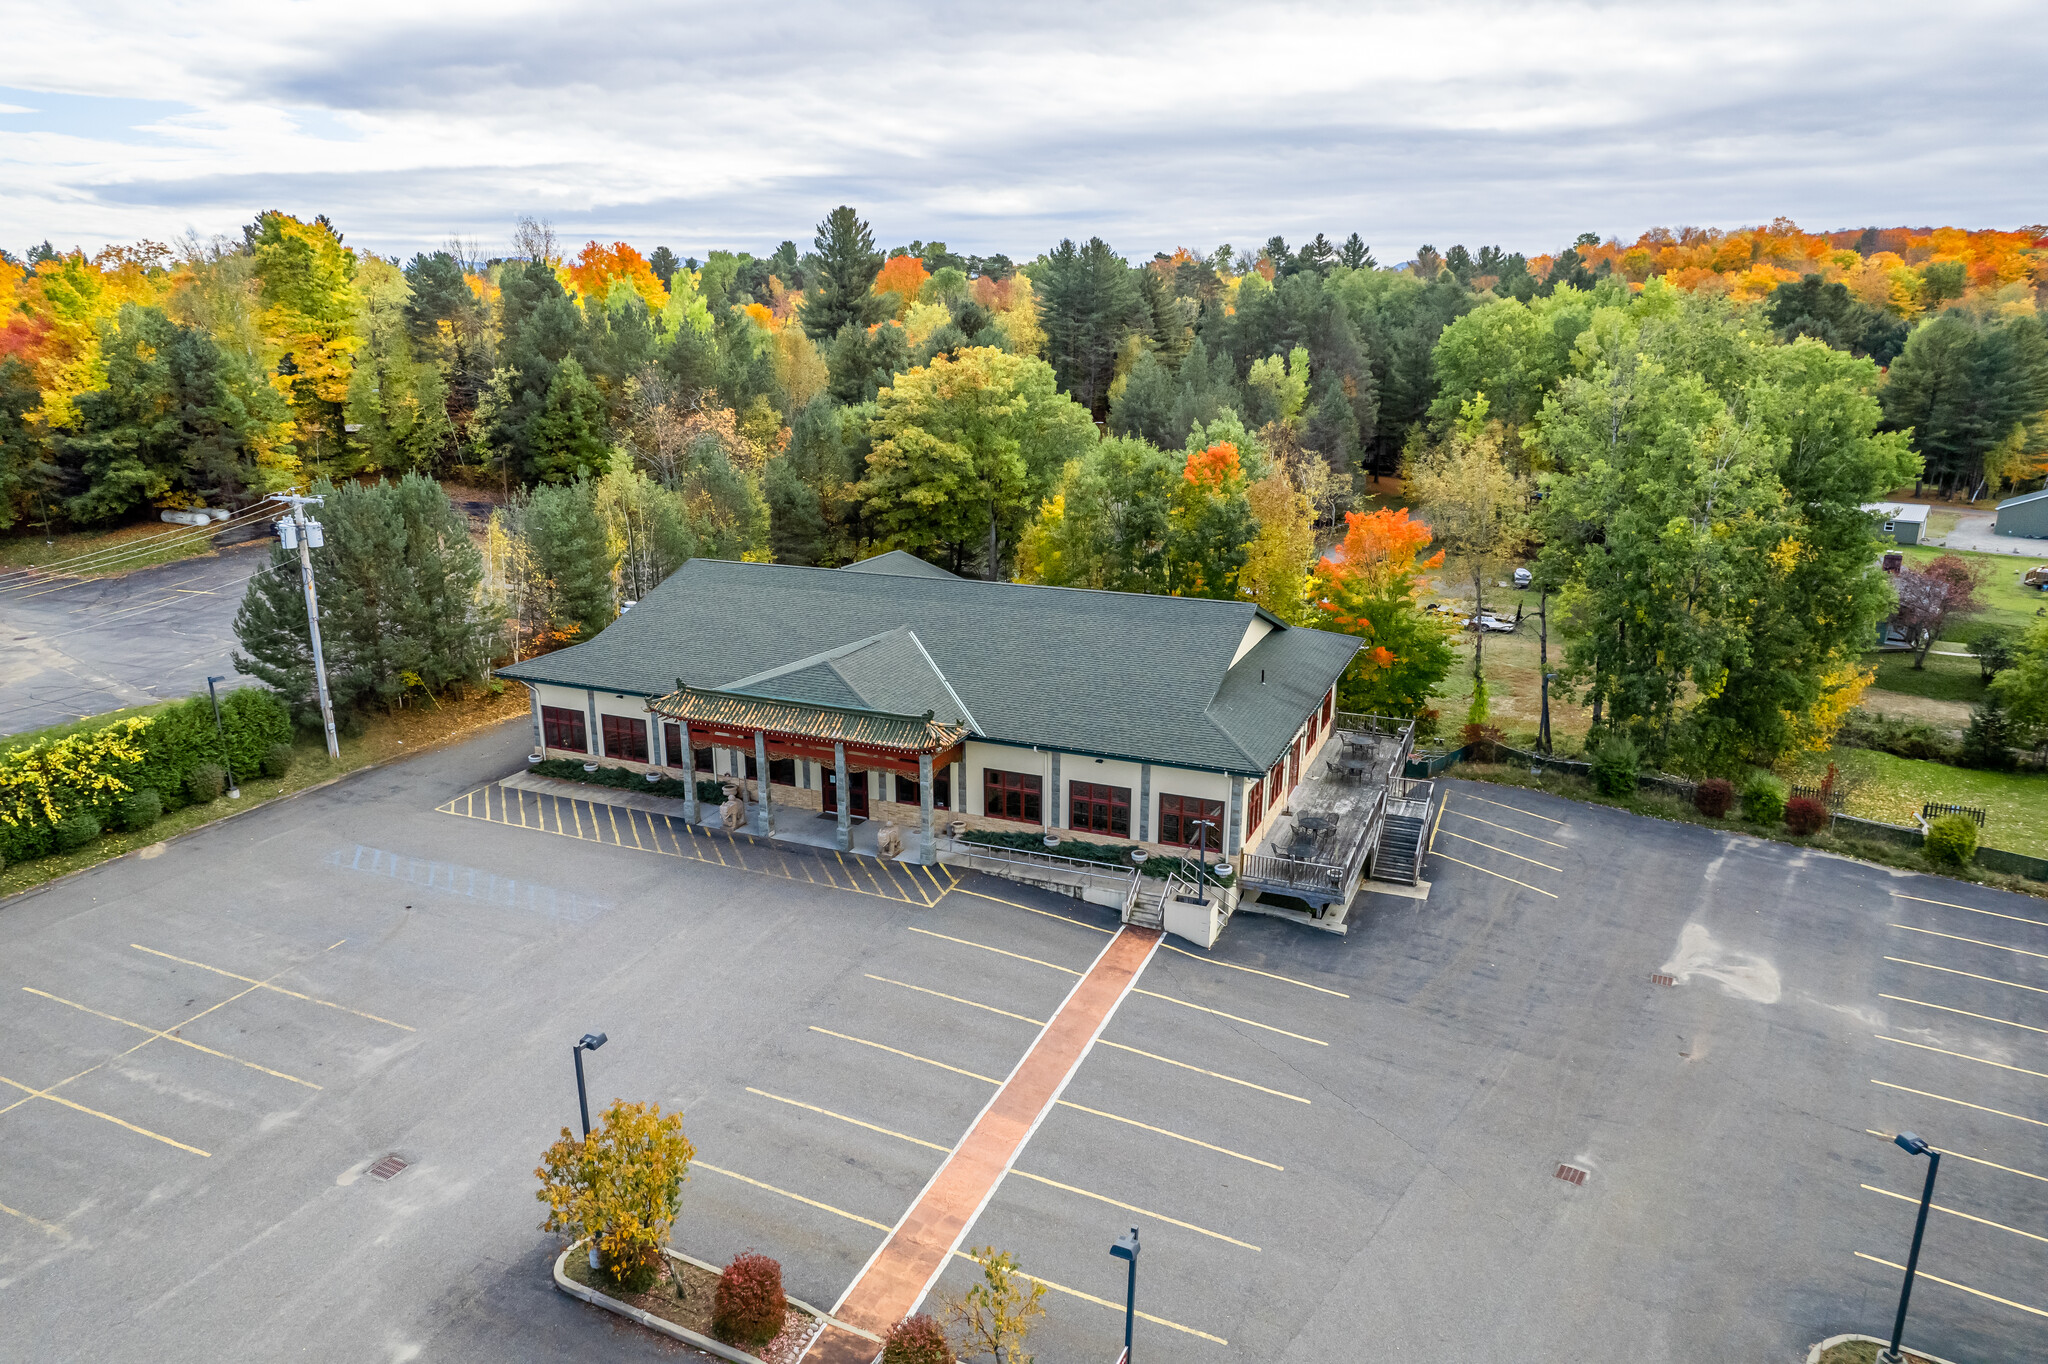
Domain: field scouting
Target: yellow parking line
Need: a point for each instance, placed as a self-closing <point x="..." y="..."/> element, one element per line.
<point x="1962" y="1056"/>
<point x="1505" y="853"/>
<point x="51" y="1227"/>
<point x="118" y="1122"/>
<point x="1034" y="1022"/>
<point x="1129" y="1207"/>
<point x="1105" y="1302"/>
<point x="1974" y="1160"/>
<point x="1248" y="969"/>
<point x="1476" y="867"/>
<point x="612" y="814"/>
<point x="998" y="951"/>
<point x="1516" y="808"/>
<point x="1960" y="1103"/>
<point x="1232" y="1017"/>
<point x="1951" y="1283"/>
<point x="264" y="984"/>
<point x="1977" y="942"/>
<point x="1031" y="909"/>
<point x="823" y="1207"/>
<point x="793" y="1103"/>
<point x="1967" y="1217"/>
<point x="1433" y="829"/>
<point x="1150" y="1056"/>
<point x="907" y="1055"/>
<point x="1148" y="1127"/>
<point x="1506" y="830"/>
<point x="2016" y="918"/>
<point x="1964" y="1012"/>
<point x="1994" y="980"/>
<point x="170" y="1037"/>
<point x="937" y="885"/>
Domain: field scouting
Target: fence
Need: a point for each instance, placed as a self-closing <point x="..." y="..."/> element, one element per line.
<point x="1932" y="810"/>
<point x="1833" y="799"/>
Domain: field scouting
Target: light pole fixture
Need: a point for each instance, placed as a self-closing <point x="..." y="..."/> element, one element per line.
<point x="1912" y="1145"/>
<point x="590" y="1041"/>
<point x="1126" y="1249"/>
<point x="227" y="763"/>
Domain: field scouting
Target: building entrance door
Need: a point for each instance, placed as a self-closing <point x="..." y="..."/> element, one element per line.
<point x="857" y="780"/>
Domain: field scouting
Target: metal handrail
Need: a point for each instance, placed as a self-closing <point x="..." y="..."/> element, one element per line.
<point x="1025" y="857"/>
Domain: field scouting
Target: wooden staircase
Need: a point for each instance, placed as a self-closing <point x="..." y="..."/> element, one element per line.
<point x="1399" y="858"/>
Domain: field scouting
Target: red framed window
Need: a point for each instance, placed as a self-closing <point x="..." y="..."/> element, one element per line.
<point x="700" y="759"/>
<point x="1099" y="809"/>
<point x="672" y="745"/>
<point x="782" y="771"/>
<point x="625" y="736"/>
<point x="1255" y="806"/>
<point x="1329" y="709"/>
<point x="561" y="727"/>
<point x="1180" y="822"/>
<point x="1012" y="795"/>
<point x="942" y="789"/>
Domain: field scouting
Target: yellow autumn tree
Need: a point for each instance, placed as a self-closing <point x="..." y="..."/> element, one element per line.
<point x="1275" y="573"/>
<point x="619" y="1187"/>
<point x="310" y="306"/>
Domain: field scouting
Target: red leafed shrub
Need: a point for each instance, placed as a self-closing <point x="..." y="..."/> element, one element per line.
<point x="916" y="1340"/>
<point x="1714" y="797"/>
<point x="1805" y="815"/>
<point x="747" y="1307"/>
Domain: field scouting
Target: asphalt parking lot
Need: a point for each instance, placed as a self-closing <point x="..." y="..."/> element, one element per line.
<point x="1331" y="1145"/>
<point x="79" y="646"/>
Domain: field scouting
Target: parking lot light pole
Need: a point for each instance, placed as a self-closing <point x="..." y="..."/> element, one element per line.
<point x="227" y="763"/>
<point x="590" y="1041"/>
<point x="1126" y="1249"/>
<point x="1913" y="1145"/>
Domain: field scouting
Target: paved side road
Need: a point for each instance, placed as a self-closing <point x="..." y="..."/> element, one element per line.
<point x="75" y="647"/>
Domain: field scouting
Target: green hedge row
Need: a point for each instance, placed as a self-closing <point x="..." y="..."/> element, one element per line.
<point x="626" y="779"/>
<point x="1116" y="854"/>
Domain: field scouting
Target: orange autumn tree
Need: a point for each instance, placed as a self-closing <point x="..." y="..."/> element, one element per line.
<point x="904" y="277"/>
<point x="1367" y="586"/>
<point x="594" y="269"/>
<point x="1210" y="525"/>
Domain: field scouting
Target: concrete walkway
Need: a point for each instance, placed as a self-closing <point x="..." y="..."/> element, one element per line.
<point x="903" y="1270"/>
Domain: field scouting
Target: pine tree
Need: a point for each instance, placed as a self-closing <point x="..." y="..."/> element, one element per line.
<point x="567" y="436"/>
<point x="270" y="627"/>
<point x="1988" y="741"/>
<point x="567" y="540"/>
<point x="847" y="263"/>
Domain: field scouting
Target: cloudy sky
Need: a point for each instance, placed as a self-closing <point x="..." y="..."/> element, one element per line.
<point x="1004" y="128"/>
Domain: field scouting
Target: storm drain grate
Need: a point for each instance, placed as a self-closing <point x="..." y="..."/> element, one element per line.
<point x="1663" y="980"/>
<point x="1571" y="1174"/>
<point x="392" y="1164"/>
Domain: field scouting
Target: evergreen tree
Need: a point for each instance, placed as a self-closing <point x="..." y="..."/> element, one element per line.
<point x="1963" y="384"/>
<point x="847" y="263"/>
<point x="862" y="362"/>
<point x="567" y="436"/>
<point x="275" y="646"/>
<point x="1356" y="255"/>
<point x="22" y="467"/>
<point x="1089" y="303"/>
<point x="1145" y="406"/>
<point x="1988" y="741"/>
<point x="570" y="550"/>
<point x="663" y="262"/>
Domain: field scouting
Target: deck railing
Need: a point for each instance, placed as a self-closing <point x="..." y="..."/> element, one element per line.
<point x="1106" y="873"/>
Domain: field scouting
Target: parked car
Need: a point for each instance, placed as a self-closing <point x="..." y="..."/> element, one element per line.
<point x="1522" y="578"/>
<point x="2037" y="577"/>
<point x="1499" y="625"/>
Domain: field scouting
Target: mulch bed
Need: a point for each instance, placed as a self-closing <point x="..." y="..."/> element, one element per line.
<point x="683" y="1295"/>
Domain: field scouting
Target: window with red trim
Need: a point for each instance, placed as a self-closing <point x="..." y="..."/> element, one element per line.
<point x="1255" y="806"/>
<point x="562" y="727"/>
<point x="942" y="789"/>
<point x="700" y="759"/>
<point x="1181" y="822"/>
<point x="782" y="771"/>
<point x="672" y="744"/>
<point x="1099" y="809"/>
<point x="1012" y="795"/>
<point x="625" y="736"/>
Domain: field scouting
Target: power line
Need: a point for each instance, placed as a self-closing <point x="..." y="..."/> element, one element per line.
<point x="34" y="574"/>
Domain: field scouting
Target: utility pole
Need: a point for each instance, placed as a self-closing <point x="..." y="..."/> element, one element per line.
<point x="305" y="536"/>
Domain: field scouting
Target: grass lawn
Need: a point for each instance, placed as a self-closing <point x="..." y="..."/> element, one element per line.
<point x="384" y="738"/>
<point x="2006" y="602"/>
<point x="120" y="550"/>
<point x="1943" y="679"/>
<point x="1881" y="786"/>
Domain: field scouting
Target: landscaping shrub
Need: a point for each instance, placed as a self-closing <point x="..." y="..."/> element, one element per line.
<point x="1987" y="743"/>
<point x="710" y="792"/>
<point x="1616" y="764"/>
<point x="205" y="783"/>
<point x="1952" y="839"/>
<point x="1900" y="738"/>
<point x="139" y="810"/>
<point x="619" y="1187"/>
<point x="747" y="1307"/>
<point x="277" y="760"/>
<point x="44" y="782"/>
<point x="626" y="779"/>
<point x="1714" y="797"/>
<point x="255" y="719"/>
<point x="916" y="1340"/>
<point x="1805" y="816"/>
<point x="73" y="833"/>
<point x="1763" y="799"/>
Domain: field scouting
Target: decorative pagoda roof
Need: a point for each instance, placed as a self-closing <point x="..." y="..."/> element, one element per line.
<point x="810" y="720"/>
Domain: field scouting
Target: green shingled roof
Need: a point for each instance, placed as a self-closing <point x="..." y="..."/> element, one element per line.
<point x="1111" y="674"/>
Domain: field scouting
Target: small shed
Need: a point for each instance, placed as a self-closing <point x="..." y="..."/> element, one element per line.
<point x="2027" y="515"/>
<point x="1904" y="522"/>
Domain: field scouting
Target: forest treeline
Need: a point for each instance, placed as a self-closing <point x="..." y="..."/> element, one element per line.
<point x="1181" y="424"/>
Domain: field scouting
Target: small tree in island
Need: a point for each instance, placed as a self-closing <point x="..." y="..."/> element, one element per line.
<point x="993" y="1316"/>
<point x="620" y="1188"/>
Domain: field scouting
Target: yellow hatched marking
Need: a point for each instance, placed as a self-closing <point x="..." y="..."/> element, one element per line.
<point x="33" y="1092"/>
<point x="1476" y="867"/>
<point x="1129" y="1207"/>
<point x="1964" y="1012"/>
<point x="612" y="818"/>
<point x="633" y="828"/>
<point x="900" y="1136"/>
<point x="1232" y="1017"/>
<point x="999" y="951"/>
<point x="1962" y="1056"/>
<point x="1252" y="970"/>
<point x="1951" y="1283"/>
<point x="169" y="1037"/>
